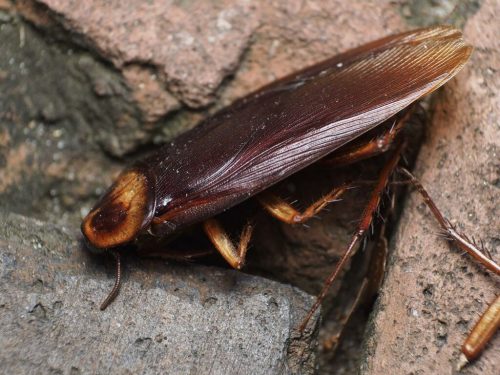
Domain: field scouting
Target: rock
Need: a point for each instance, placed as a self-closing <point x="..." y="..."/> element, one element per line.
<point x="434" y="294"/>
<point x="175" y="318"/>
<point x="192" y="60"/>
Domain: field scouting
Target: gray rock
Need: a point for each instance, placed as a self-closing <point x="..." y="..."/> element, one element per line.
<point x="168" y="317"/>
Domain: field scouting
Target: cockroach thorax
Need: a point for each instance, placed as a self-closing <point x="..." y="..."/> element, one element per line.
<point x="124" y="210"/>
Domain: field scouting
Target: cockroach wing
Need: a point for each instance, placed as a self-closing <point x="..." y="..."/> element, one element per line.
<point x="289" y="124"/>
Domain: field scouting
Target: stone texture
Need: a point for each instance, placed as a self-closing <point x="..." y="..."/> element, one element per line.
<point x="433" y="294"/>
<point x="193" y="57"/>
<point x="176" y="318"/>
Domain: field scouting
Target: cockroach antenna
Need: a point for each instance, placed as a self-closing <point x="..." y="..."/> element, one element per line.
<point x="118" y="280"/>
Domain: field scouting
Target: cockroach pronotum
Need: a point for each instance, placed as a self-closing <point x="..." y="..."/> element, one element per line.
<point x="275" y="132"/>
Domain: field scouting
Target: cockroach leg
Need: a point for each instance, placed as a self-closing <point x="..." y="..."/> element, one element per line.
<point x="364" y="225"/>
<point x="118" y="278"/>
<point x="235" y="256"/>
<point x="367" y="291"/>
<point x="460" y="239"/>
<point x="481" y="334"/>
<point x="333" y="341"/>
<point x="490" y="320"/>
<point x="178" y="255"/>
<point x="378" y="261"/>
<point x="283" y="211"/>
<point x="359" y="151"/>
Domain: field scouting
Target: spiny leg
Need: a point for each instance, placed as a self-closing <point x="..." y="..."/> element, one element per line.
<point x="460" y="239"/>
<point x="283" y="211"/>
<point x="333" y="341"/>
<point x="490" y="320"/>
<point x="364" y="225"/>
<point x="368" y="289"/>
<point x="359" y="151"/>
<point x="235" y="256"/>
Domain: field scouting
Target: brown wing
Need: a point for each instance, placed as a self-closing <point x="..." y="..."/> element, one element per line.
<point x="291" y="123"/>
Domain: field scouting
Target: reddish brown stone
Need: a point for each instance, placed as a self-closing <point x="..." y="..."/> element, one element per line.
<point x="433" y="294"/>
<point x="193" y="57"/>
<point x="147" y="89"/>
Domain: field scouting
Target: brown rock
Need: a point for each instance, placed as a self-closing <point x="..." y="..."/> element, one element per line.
<point x="149" y="93"/>
<point x="433" y="294"/>
<point x="193" y="57"/>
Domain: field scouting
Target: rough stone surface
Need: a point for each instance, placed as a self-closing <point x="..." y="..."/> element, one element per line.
<point x="194" y="57"/>
<point x="187" y="319"/>
<point x="433" y="294"/>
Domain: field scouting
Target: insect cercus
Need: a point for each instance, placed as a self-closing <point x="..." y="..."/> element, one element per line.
<point x="276" y="131"/>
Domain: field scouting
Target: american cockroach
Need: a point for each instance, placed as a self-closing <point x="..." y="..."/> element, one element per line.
<point x="238" y="153"/>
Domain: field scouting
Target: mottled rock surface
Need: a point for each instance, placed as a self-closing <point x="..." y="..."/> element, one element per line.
<point x="183" y="319"/>
<point x="433" y="294"/>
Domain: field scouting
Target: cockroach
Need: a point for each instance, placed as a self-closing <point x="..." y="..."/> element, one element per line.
<point x="238" y="153"/>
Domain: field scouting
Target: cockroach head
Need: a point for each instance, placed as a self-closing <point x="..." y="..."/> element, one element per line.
<point x="123" y="211"/>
